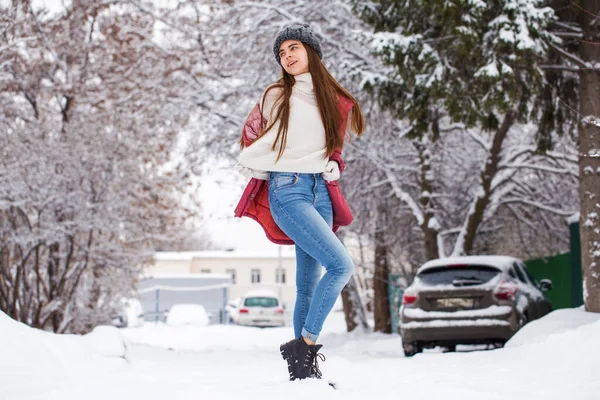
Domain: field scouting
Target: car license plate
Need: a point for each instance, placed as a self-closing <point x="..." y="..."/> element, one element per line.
<point x="455" y="303"/>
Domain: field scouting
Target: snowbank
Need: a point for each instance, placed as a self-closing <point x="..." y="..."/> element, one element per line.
<point x="28" y="346"/>
<point x="188" y="315"/>
<point x="107" y="341"/>
<point x="553" y="359"/>
<point x="556" y="322"/>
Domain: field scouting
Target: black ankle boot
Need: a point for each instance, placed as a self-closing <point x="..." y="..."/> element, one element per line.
<point x="302" y="358"/>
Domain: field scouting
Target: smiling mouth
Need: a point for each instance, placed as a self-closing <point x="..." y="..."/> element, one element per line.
<point x="292" y="63"/>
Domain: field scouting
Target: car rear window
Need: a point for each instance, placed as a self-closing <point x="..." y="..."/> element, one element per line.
<point x="260" y="302"/>
<point x="469" y="275"/>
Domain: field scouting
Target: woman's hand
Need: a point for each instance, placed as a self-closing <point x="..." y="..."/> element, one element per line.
<point x="332" y="171"/>
<point x="252" y="173"/>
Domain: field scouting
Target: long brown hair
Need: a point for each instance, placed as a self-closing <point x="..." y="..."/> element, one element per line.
<point x="327" y="91"/>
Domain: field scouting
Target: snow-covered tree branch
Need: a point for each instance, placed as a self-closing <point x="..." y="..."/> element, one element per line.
<point x="92" y="180"/>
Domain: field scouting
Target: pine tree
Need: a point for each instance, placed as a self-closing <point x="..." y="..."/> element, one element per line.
<point x="473" y="63"/>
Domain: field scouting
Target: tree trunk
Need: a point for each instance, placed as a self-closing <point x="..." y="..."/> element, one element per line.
<point x="53" y="271"/>
<point x="383" y="321"/>
<point x="353" y="307"/>
<point x="429" y="227"/>
<point x="466" y="239"/>
<point x="589" y="156"/>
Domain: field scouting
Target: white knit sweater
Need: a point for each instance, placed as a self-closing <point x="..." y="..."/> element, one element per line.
<point x="305" y="150"/>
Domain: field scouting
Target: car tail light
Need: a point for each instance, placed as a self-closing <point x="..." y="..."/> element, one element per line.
<point x="279" y="311"/>
<point x="409" y="298"/>
<point x="506" y="291"/>
<point x="243" y="311"/>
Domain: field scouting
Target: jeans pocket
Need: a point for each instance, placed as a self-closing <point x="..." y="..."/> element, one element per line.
<point x="283" y="181"/>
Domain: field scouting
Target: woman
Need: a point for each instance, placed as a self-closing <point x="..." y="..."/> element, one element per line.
<point x="292" y="140"/>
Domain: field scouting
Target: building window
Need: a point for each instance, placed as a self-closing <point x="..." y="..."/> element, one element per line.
<point x="231" y="273"/>
<point x="205" y="271"/>
<point x="255" y="275"/>
<point x="280" y="275"/>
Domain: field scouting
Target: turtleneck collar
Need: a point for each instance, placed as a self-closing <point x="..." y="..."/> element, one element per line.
<point x="304" y="83"/>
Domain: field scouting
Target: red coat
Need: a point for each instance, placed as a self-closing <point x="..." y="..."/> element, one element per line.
<point x="255" y="199"/>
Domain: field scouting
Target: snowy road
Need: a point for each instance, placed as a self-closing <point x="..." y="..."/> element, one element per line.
<point x="230" y="362"/>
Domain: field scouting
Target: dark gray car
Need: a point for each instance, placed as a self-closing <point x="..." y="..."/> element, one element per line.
<point x="469" y="300"/>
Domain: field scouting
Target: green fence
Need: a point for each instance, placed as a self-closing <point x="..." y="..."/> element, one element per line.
<point x="564" y="270"/>
<point x="576" y="274"/>
<point x="558" y="270"/>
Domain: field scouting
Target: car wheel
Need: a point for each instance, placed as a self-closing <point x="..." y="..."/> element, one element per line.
<point x="450" y="349"/>
<point x="410" y="349"/>
<point x="523" y="321"/>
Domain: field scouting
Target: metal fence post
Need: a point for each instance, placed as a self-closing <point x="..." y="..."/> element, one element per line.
<point x="156" y="306"/>
<point x="225" y="319"/>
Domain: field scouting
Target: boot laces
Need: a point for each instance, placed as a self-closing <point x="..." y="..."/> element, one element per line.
<point x="314" y="368"/>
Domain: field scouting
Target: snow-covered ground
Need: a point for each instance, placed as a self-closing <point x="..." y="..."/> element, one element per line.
<point x="557" y="357"/>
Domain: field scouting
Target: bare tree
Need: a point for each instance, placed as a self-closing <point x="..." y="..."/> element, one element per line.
<point x="91" y="176"/>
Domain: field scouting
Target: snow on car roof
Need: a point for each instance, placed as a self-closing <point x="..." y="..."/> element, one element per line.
<point x="260" y="293"/>
<point x="501" y="262"/>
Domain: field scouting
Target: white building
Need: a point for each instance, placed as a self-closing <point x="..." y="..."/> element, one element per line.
<point x="265" y="270"/>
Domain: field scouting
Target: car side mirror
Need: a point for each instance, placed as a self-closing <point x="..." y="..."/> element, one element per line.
<point x="545" y="285"/>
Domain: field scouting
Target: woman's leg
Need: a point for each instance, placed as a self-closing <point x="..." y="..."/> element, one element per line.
<point x="308" y="273"/>
<point x="294" y="202"/>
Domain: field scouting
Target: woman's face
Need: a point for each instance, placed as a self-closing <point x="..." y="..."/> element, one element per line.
<point x="293" y="57"/>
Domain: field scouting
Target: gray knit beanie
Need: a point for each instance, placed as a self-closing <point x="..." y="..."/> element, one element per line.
<point x="301" y="32"/>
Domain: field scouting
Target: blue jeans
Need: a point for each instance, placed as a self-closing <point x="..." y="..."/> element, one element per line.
<point x="301" y="207"/>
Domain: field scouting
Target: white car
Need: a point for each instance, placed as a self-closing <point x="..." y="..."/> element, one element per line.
<point x="258" y="309"/>
<point x="188" y="315"/>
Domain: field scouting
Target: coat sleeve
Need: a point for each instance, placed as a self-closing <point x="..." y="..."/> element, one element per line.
<point x="337" y="157"/>
<point x="253" y="125"/>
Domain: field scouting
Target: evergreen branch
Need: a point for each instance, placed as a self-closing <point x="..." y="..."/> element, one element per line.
<point x="567" y="26"/>
<point x="568" y="35"/>
<point x="570" y="56"/>
<point x="562" y="68"/>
